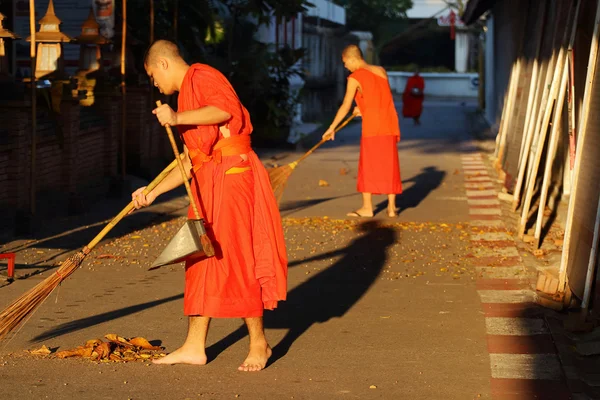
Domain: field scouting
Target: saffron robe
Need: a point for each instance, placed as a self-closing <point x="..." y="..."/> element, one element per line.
<point x="412" y="106"/>
<point x="249" y="271"/>
<point x="378" y="164"/>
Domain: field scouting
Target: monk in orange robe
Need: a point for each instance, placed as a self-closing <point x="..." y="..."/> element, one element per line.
<point x="412" y="98"/>
<point x="233" y="193"/>
<point x="378" y="165"/>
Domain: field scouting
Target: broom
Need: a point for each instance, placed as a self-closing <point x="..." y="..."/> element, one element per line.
<point x="13" y="315"/>
<point x="280" y="175"/>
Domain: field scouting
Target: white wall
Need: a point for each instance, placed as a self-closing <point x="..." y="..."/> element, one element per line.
<point x="425" y="8"/>
<point x="439" y="84"/>
<point x="325" y="9"/>
<point x="490" y="98"/>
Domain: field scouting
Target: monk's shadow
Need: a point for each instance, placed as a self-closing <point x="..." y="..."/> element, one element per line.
<point x="429" y="179"/>
<point x="329" y="294"/>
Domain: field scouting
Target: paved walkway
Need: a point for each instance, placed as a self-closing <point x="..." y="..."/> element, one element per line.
<point x="434" y="304"/>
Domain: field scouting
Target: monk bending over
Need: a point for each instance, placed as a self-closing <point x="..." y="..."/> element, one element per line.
<point x="378" y="165"/>
<point x="231" y="189"/>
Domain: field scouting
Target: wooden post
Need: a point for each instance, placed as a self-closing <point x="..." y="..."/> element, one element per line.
<point x="151" y="22"/>
<point x="534" y="126"/>
<point x="533" y="85"/>
<point x="554" y="137"/>
<point x="544" y="127"/>
<point x="552" y="147"/>
<point x="585" y="111"/>
<point x="571" y="109"/>
<point x="175" y="20"/>
<point x="124" y="92"/>
<point x="152" y="18"/>
<point x="507" y="112"/>
<point x="32" y="54"/>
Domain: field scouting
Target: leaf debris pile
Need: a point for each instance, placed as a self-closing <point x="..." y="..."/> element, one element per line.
<point x="115" y="349"/>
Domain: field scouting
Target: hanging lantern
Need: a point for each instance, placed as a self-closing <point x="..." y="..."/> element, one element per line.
<point x="90" y="58"/>
<point x="50" y="40"/>
<point x="90" y="40"/>
<point x="4" y="34"/>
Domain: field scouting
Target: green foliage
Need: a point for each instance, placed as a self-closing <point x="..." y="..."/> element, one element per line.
<point x="221" y="34"/>
<point x="369" y="15"/>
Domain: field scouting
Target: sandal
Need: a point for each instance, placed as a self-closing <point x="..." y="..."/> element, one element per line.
<point x="355" y="214"/>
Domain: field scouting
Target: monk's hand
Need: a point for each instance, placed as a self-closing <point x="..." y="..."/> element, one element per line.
<point x="165" y="115"/>
<point x="356" y="112"/>
<point x="329" y="134"/>
<point x="140" y="199"/>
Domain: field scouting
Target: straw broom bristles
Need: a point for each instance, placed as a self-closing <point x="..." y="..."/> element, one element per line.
<point x="16" y="312"/>
<point x="279" y="176"/>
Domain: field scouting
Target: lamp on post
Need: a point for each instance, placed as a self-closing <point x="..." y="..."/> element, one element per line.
<point x="49" y="41"/>
<point x="4" y="34"/>
<point x="90" y="57"/>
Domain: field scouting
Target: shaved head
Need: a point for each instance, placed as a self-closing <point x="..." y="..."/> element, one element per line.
<point x="162" y="49"/>
<point x="352" y="51"/>
<point x="165" y="66"/>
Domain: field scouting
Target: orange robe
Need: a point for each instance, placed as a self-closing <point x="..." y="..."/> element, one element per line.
<point x="412" y="106"/>
<point x="378" y="165"/>
<point x="249" y="271"/>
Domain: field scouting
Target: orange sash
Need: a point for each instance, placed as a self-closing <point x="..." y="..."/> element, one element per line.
<point x="229" y="146"/>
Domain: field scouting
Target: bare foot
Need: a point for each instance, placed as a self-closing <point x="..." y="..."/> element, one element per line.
<point x="183" y="355"/>
<point x="257" y="358"/>
<point x="391" y="213"/>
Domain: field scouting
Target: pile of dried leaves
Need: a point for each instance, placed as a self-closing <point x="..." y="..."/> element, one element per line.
<point x="116" y="348"/>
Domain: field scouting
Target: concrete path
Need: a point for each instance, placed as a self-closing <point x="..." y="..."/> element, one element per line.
<point x="377" y="308"/>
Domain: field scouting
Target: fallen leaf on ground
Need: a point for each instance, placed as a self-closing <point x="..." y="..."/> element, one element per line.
<point x="78" y="352"/>
<point x="372" y="387"/>
<point x="143" y="343"/>
<point x="323" y="183"/>
<point x="93" y="343"/>
<point x="42" y="351"/>
<point x="343" y="171"/>
<point x="113" y="337"/>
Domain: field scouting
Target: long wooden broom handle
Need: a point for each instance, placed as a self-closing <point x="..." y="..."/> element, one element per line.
<point x="340" y="126"/>
<point x="181" y="169"/>
<point x="130" y="206"/>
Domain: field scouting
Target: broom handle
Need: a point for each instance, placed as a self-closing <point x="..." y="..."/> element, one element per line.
<point x="130" y="206"/>
<point x="316" y="146"/>
<point x="181" y="169"/>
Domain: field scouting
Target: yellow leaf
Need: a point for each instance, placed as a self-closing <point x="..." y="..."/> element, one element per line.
<point x="42" y="351"/>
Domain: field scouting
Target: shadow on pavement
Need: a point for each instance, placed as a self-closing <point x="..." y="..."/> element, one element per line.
<point x="84" y="323"/>
<point x="427" y="181"/>
<point x="290" y="207"/>
<point x="329" y="294"/>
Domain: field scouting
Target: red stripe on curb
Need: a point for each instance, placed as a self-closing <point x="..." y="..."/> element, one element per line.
<point x="493" y="243"/>
<point x="502" y="284"/>
<point x="483" y="217"/>
<point x="527" y="389"/>
<point x="537" y="344"/>
<point x="512" y="310"/>
<point x="496" y="261"/>
<point x="497" y="206"/>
